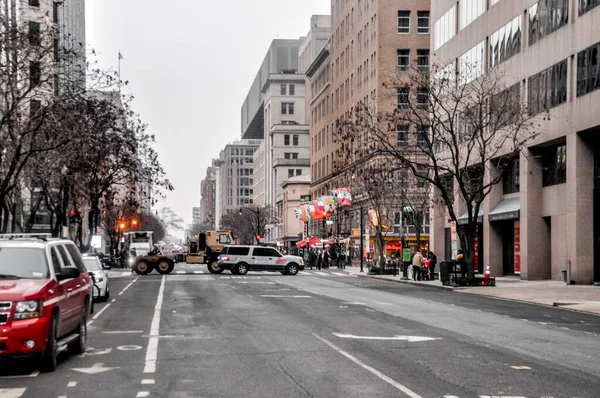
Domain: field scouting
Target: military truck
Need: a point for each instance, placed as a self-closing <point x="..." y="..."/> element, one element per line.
<point x="205" y="248"/>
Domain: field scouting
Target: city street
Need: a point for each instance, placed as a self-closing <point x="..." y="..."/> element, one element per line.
<point x="319" y="334"/>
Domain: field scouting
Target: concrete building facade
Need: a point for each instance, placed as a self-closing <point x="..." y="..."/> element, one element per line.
<point x="196" y="215"/>
<point x="371" y="43"/>
<point x="235" y="176"/>
<point x="546" y="211"/>
<point x="208" y="197"/>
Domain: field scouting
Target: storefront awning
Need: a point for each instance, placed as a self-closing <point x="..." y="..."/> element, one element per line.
<point x="507" y="209"/>
<point x="464" y="218"/>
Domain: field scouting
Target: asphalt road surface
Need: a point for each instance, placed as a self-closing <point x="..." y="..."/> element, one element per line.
<point x="318" y="334"/>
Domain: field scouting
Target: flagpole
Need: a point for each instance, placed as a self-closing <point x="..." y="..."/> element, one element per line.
<point x="119" y="56"/>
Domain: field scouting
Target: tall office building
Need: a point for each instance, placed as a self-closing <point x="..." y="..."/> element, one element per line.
<point x="546" y="211"/>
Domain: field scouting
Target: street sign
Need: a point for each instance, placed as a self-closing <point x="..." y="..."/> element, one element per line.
<point x="329" y="222"/>
<point x="406" y="255"/>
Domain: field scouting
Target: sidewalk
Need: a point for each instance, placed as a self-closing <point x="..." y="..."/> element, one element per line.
<point x="549" y="293"/>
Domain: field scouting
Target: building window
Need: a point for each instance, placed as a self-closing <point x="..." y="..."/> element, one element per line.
<point x="422" y="97"/>
<point x="403" y="22"/>
<point x="587" y="5"/>
<point x="298" y="172"/>
<point x="296" y="139"/>
<point x="34" y="3"/>
<point x="35" y="73"/>
<point x="423" y="22"/>
<point x="510" y="177"/>
<point x="423" y="60"/>
<point x="546" y="17"/>
<point x="470" y="10"/>
<point x="554" y="165"/>
<point x="548" y="88"/>
<point x="287" y="155"/>
<point x="422" y="136"/>
<point x="290" y="108"/>
<point x="35" y="36"/>
<point x="403" y="97"/>
<point x="471" y="64"/>
<point x="34" y="107"/>
<point x="445" y="28"/>
<point x="283" y="91"/>
<point x="402" y="135"/>
<point x="505" y="42"/>
<point x="588" y="70"/>
<point x="403" y="60"/>
<point x="505" y="107"/>
<point x="292" y="89"/>
<point x="295" y="155"/>
<point x="290" y="173"/>
<point x="286" y="139"/>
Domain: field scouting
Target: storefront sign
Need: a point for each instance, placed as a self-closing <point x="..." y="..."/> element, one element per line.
<point x="367" y="241"/>
<point x="517" y="247"/>
<point x="453" y="239"/>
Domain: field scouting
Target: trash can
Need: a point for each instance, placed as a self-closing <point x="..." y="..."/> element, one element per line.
<point x="445" y="268"/>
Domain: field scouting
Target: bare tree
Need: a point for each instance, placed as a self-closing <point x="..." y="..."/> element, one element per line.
<point x="248" y="224"/>
<point x="169" y="220"/>
<point x="456" y="132"/>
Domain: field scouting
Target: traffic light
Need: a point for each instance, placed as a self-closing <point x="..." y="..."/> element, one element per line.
<point x="72" y="213"/>
<point x="122" y="225"/>
<point x="134" y="223"/>
<point x="257" y="238"/>
<point x="329" y="232"/>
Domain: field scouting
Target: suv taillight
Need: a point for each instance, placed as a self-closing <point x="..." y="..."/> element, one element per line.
<point x="225" y="258"/>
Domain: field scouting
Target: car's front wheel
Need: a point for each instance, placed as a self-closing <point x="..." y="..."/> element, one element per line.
<point x="242" y="269"/>
<point x="292" y="269"/>
<point x="50" y="356"/>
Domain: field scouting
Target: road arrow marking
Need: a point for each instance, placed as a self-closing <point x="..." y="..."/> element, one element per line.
<point x="410" y="339"/>
<point x="90" y="353"/>
<point x="94" y="369"/>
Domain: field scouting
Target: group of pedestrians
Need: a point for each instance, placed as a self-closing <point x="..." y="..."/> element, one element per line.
<point x="424" y="266"/>
<point x="317" y="258"/>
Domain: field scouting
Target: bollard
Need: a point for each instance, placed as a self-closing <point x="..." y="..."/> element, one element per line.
<point x="568" y="272"/>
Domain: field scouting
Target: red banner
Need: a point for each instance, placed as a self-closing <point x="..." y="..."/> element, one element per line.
<point x="517" y="247"/>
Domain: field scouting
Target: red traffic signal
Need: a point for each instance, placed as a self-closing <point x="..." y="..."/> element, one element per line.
<point x="72" y="213"/>
<point x="258" y="238"/>
<point x="329" y="232"/>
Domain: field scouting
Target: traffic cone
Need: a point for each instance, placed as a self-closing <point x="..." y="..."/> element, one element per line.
<point x="486" y="278"/>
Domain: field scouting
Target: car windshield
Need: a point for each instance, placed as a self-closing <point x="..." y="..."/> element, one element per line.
<point x="91" y="264"/>
<point x="23" y="262"/>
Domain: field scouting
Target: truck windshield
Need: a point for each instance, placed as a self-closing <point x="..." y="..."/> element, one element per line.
<point x="21" y="262"/>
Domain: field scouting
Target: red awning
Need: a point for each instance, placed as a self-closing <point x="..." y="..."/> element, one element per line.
<point x="314" y="240"/>
<point x="301" y="243"/>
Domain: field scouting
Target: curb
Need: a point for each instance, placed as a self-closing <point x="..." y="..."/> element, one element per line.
<point x="432" y="286"/>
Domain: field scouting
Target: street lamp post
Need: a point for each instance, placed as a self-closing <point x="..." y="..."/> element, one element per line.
<point x="362" y="256"/>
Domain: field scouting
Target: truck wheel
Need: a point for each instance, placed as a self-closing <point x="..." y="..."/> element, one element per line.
<point x="49" y="358"/>
<point x="142" y="267"/>
<point x="78" y="346"/>
<point x="214" y="268"/>
<point x="164" y="266"/>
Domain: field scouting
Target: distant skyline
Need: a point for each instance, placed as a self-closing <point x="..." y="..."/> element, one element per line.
<point x="190" y="73"/>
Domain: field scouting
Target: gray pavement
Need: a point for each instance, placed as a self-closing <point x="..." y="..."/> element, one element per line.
<point x="325" y="334"/>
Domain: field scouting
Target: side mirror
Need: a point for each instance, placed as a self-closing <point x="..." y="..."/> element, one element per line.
<point x="68" y="273"/>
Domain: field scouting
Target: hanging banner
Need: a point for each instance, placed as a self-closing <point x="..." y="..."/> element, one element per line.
<point x="454" y="239"/>
<point x="367" y="243"/>
<point x="517" y="247"/>
<point x="343" y="196"/>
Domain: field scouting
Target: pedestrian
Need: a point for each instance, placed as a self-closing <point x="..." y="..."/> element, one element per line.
<point x="326" y="259"/>
<point x="432" y="265"/>
<point x="312" y="258"/>
<point x="417" y="263"/>
<point x="319" y="260"/>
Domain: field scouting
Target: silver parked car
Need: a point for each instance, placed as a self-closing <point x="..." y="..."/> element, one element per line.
<point x="241" y="259"/>
<point x="94" y="267"/>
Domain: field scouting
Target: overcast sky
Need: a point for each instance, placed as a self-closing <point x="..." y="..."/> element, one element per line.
<point x="190" y="64"/>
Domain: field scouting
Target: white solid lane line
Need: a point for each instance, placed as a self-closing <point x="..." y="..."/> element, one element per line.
<point x="127" y="287"/>
<point x="72" y="384"/>
<point x="374" y="371"/>
<point x="152" y="352"/>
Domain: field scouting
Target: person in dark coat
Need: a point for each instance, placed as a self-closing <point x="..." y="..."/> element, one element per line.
<point x="432" y="264"/>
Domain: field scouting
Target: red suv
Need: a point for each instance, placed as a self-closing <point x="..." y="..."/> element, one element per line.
<point x="45" y="294"/>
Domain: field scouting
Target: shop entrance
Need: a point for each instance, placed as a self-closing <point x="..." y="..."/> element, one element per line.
<point x="508" y="248"/>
